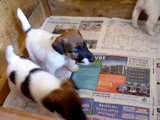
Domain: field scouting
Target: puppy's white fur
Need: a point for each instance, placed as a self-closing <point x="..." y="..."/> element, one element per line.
<point x="85" y="62"/>
<point x="41" y="85"/>
<point x="48" y="81"/>
<point x="152" y="9"/>
<point x="39" y="47"/>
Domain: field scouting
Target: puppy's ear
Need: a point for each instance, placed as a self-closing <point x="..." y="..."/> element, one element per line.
<point x="79" y="33"/>
<point x="58" y="45"/>
<point x="76" y="31"/>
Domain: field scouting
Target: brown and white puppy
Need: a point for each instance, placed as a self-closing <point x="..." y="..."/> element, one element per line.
<point x="52" y="51"/>
<point x="29" y="80"/>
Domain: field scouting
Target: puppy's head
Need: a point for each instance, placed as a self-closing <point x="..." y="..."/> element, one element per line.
<point x="72" y="45"/>
<point x="66" y="102"/>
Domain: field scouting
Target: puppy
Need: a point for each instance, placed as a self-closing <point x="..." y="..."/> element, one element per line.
<point x="29" y="80"/>
<point x="52" y="51"/>
<point x="152" y="9"/>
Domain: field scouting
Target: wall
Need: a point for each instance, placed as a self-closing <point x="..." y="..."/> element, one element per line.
<point x="97" y="8"/>
<point x="106" y="8"/>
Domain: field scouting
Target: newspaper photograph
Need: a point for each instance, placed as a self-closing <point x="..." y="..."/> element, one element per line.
<point x="89" y="28"/>
<point x="116" y="74"/>
<point x="90" y="31"/>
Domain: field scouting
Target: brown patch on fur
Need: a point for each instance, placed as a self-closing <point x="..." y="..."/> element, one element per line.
<point x="72" y="45"/>
<point x="73" y="37"/>
<point x="66" y="102"/>
<point x="66" y="42"/>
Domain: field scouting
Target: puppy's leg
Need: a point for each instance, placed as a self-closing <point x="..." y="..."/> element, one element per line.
<point x="71" y="64"/>
<point x="43" y="111"/>
<point x="21" y="99"/>
<point x="136" y="12"/>
<point x="152" y="20"/>
<point x="50" y="68"/>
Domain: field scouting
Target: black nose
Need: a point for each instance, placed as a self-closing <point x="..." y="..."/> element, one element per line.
<point x="91" y="58"/>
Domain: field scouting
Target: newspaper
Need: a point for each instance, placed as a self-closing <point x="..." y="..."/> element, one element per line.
<point x="123" y="82"/>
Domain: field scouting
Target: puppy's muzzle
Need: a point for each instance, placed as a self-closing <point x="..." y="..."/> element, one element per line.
<point x="90" y="57"/>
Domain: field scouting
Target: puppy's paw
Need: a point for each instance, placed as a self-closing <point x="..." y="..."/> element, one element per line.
<point x="135" y="25"/>
<point x="151" y="33"/>
<point x="74" y="68"/>
<point x="22" y="104"/>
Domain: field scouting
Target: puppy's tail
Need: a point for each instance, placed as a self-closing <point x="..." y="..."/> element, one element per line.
<point x="10" y="55"/>
<point x="25" y="24"/>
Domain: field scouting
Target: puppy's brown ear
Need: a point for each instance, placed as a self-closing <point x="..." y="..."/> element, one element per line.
<point x="76" y="31"/>
<point x="79" y="33"/>
<point x="58" y="45"/>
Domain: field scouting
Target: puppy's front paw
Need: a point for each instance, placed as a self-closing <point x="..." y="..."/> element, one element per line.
<point x="151" y="33"/>
<point x="135" y="25"/>
<point x="22" y="104"/>
<point x="74" y="68"/>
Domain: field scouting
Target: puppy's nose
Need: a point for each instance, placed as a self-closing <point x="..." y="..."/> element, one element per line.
<point x="91" y="59"/>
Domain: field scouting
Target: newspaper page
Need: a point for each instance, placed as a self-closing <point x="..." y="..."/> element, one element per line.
<point x="157" y="71"/>
<point x="116" y="87"/>
<point x="119" y="84"/>
<point x="121" y="35"/>
<point x="90" y="28"/>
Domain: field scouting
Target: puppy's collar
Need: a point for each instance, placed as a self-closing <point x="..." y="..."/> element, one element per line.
<point x="29" y="29"/>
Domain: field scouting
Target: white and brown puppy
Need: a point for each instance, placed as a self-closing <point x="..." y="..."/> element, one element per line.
<point x="29" y="80"/>
<point x="152" y="9"/>
<point x="52" y="51"/>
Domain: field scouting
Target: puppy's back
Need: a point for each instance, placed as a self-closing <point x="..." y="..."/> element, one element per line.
<point x="43" y="87"/>
<point x="27" y="73"/>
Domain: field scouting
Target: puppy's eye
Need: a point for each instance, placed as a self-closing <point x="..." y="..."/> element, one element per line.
<point x="85" y="43"/>
<point x="75" y="50"/>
